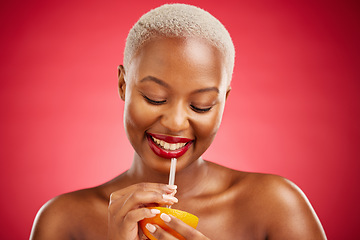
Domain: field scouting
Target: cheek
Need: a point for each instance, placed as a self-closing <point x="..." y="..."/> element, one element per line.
<point x="137" y="115"/>
<point x="207" y="126"/>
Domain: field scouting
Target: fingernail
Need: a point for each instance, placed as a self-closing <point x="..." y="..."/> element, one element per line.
<point x="170" y="198"/>
<point x="150" y="227"/>
<point x="165" y="217"/>
<point x="172" y="187"/>
<point x="155" y="211"/>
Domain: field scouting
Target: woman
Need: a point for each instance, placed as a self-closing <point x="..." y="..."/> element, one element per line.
<point x="178" y="65"/>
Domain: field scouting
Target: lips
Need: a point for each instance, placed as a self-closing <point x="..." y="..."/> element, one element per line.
<point x="167" y="146"/>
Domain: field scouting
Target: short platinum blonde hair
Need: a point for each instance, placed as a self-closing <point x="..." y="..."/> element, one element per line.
<point x="181" y="21"/>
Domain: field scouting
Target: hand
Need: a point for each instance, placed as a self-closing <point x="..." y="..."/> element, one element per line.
<point x="179" y="226"/>
<point x="128" y="206"/>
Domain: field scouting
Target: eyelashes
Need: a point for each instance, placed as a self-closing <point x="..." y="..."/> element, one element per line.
<point x="153" y="101"/>
<point x="200" y="110"/>
<point x="194" y="108"/>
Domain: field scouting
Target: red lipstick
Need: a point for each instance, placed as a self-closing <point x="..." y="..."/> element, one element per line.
<point x="164" y="153"/>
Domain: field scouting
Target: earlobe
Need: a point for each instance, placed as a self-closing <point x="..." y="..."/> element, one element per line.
<point x="122" y="83"/>
<point x="227" y="92"/>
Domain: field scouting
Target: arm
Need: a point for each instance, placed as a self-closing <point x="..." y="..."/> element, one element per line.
<point x="76" y="215"/>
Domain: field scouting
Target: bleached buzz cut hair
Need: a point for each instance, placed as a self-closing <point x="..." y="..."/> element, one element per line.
<point x="180" y="21"/>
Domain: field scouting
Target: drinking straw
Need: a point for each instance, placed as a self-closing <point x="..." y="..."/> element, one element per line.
<point x="172" y="173"/>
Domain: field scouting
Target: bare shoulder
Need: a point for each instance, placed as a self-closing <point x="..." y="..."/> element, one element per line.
<point x="272" y="187"/>
<point x="63" y="216"/>
<point x="285" y="211"/>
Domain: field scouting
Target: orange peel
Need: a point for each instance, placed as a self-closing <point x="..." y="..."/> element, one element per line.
<point x="186" y="217"/>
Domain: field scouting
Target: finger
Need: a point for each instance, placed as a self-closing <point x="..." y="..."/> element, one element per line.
<point x="118" y="198"/>
<point x="136" y="215"/>
<point x="159" y="233"/>
<point x="173" y="193"/>
<point x="142" y="235"/>
<point x="159" y="187"/>
<point x="140" y="198"/>
<point x="182" y="228"/>
<point x="167" y="189"/>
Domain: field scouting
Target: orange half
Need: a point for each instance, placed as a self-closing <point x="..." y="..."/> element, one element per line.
<point x="186" y="217"/>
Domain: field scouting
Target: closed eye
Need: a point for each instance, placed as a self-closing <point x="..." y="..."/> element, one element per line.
<point x="200" y="110"/>
<point x="154" y="102"/>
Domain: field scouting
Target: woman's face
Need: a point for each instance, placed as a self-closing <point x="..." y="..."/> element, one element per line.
<point x="174" y="92"/>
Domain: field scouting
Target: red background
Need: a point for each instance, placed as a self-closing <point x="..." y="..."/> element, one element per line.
<point x="293" y="109"/>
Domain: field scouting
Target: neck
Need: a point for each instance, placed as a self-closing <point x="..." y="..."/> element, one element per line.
<point x="189" y="179"/>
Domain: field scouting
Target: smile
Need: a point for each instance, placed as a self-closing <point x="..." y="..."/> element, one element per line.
<point x="167" y="146"/>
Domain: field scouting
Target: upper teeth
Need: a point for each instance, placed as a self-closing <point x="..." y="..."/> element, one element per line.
<point x="168" y="146"/>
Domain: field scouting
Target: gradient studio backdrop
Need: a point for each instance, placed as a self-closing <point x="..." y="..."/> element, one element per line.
<point x="293" y="109"/>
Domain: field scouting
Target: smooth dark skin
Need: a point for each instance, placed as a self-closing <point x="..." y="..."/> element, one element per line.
<point x="230" y="204"/>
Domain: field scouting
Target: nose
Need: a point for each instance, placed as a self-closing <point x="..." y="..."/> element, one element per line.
<point x="175" y="118"/>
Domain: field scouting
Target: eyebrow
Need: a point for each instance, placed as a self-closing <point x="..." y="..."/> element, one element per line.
<point x="156" y="80"/>
<point x="162" y="83"/>
<point x="209" y="89"/>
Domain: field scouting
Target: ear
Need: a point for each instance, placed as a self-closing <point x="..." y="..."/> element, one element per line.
<point x="227" y="92"/>
<point x="122" y="83"/>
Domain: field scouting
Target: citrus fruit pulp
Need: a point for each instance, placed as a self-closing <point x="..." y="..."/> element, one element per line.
<point x="186" y="217"/>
